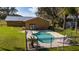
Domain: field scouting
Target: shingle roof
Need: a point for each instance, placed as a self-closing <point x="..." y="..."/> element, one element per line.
<point x="18" y="18"/>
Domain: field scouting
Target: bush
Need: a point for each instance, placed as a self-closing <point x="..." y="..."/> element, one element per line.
<point x="23" y="28"/>
<point x="73" y="42"/>
<point x="51" y="28"/>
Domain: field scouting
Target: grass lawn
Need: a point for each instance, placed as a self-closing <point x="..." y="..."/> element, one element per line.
<point x="11" y="39"/>
<point x="69" y="32"/>
<point x="66" y="48"/>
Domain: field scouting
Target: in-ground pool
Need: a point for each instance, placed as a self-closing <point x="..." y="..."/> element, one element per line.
<point x="44" y="37"/>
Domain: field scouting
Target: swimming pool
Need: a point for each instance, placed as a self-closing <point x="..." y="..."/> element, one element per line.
<point x="44" y="37"/>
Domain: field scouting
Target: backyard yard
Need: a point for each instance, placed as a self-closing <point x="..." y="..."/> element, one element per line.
<point x="11" y="39"/>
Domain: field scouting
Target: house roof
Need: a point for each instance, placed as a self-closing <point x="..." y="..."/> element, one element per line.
<point x="18" y="18"/>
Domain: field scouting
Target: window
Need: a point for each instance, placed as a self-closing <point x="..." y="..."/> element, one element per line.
<point x="33" y="26"/>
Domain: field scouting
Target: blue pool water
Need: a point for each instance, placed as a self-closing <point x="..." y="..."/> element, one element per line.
<point x="44" y="37"/>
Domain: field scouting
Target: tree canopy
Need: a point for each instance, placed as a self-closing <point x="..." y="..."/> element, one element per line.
<point x="55" y="13"/>
<point x="5" y="11"/>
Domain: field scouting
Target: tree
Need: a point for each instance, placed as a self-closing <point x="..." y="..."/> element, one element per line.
<point x="13" y="10"/>
<point x="49" y="13"/>
<point x="5" y="11"/>
<point x="68" y="11"/>
<point x="2" y="12"/>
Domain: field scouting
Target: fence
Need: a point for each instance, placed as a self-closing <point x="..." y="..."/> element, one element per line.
<point x="56" y="44"/>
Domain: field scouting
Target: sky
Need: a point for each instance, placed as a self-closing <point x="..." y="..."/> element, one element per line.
<point x="27" y="11"/>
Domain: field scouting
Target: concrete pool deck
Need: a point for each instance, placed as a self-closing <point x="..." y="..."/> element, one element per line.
<point x="55" y="43"/>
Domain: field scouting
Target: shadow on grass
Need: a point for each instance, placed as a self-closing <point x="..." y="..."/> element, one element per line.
<point x="15" y="49"/>
<point x="19" y="49"/>
<point x="43" y="49"/>
<point x="5" y="49"/>
<point x="58" y="30"/>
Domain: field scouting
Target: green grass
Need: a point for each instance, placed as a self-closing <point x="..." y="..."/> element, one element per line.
<point x="66" y="48"/>
<point x="2" y="23"/>
<point x="69" y="32"/>
<point x="12" y="39"/>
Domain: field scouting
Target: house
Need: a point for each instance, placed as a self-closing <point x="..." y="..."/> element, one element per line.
<point x="16" y="21"/>
<point x="28" y="22"/>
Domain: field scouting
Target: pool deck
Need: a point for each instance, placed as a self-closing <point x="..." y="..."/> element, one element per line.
<point x="55" y="43"/>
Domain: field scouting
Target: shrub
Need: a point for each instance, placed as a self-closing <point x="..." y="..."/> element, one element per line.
<point x="73" y="42"/>
<point x="51" y="28"/>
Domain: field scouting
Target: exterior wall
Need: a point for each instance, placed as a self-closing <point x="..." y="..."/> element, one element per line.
<point x="42" y="24"/>
<point x="15" y="23"/>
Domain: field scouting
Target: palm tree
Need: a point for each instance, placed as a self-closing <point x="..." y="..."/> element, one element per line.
<point x="13" y="10"/>
<point x="4" y="11"/>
